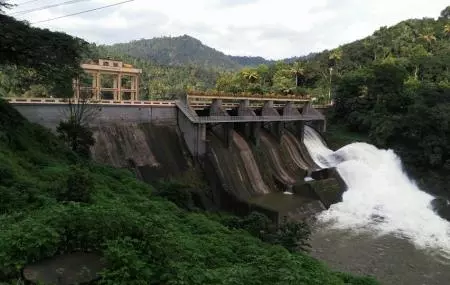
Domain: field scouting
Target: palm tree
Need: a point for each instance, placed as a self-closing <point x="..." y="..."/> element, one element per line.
<point x="250" y="75"/>
<point x="298" y="69"/>
<point x="429" y="38"/>
<point x="335" y="56"/>
<point x="447" y="29"/>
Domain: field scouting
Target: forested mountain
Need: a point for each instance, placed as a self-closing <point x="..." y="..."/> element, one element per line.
<point x="250" y="61"/>
<point x="181" y="51"/>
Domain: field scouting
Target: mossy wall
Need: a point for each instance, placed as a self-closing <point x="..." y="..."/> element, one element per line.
<point x="154" y="151"/>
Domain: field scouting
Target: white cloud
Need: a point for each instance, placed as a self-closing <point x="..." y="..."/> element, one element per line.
<point x="273" y="29"/>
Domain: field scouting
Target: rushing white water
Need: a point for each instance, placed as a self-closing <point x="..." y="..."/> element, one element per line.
<point x="380" y="197"/>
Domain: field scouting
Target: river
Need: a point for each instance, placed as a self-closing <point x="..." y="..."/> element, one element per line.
<point x="385" y="225"/>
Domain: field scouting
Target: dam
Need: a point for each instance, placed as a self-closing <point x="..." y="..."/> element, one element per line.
<point x="250" y="149"/>
<point x="258" y="163"/>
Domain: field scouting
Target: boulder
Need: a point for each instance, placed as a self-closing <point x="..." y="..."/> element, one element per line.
<point x="442" y="207"/>
<point x="328" y="190"/>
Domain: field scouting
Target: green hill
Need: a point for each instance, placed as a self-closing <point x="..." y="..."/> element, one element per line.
<point x="183" y="50"/>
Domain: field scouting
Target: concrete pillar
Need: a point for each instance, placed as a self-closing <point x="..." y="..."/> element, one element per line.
<point x="115" y="84"/>
<point x="119" y="86"/>
<point x="290" y="110"/>
<point x="94" y="86"/>
<point x="277" y="130"/>
<point x="255" y="135"/>
<point x="228" y="134"/>
<point x="136" y="94"/>
<point x="268" y="110"/>
<point x="98" y="85"/>
<point x="216" y="108"/>
<point x="244" y="103"/>
<point x="300" y="126"/>
<point x="194" y="135"/>
<point x="76" y="87"/>
<point x="133" y="87"/>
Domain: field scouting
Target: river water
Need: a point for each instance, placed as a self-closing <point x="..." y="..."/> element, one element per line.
<point x="385" y="226"/>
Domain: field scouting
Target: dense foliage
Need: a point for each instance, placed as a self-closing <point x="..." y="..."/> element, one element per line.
<point x="74" y="130"/>
<point x="182" y="51"/>
<point x="53" y="202"/>
<point x="302" y="76"/>
<point x="394" y="86"/>
<point x="36" y="57"/>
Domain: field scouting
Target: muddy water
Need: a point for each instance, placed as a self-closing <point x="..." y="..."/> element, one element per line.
<point x="392" y="260"/>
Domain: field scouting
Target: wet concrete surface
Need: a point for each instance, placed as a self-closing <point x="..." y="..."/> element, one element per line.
<point x="390" y="259"/>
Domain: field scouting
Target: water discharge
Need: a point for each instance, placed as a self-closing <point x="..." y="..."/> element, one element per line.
<point x="280" y="169"/>
<point x="380" y="197"/>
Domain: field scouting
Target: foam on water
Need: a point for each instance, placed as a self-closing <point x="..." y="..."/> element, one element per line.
<point x="380" y="197"/>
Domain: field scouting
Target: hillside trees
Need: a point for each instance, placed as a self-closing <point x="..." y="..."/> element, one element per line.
<point x="75" y="130"/>
<point x="445" y="14"/>
<point x="4" y="4"/>
<point x="37" y="56"/>
<point x="401" y="100"/>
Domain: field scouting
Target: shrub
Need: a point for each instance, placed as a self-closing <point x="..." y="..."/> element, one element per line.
<point x="79" y="185"/>
<point x="78" y="137"/>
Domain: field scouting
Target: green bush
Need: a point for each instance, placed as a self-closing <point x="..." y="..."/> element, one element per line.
<point x="79" y="186"/>
<point x="291" y="235"/>
<point x="77" y="136"/>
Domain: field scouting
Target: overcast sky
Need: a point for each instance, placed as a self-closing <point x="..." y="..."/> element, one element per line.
<point x="273" y="29"/>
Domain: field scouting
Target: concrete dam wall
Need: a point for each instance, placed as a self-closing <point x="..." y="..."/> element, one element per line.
<point x="251" y="164"/>
<point x="154" y="151"/>
<point x="49" y="115"/>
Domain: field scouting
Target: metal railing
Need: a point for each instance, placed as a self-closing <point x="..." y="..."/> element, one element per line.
<point x="248" y="96"/>
<point x="188" y="112"/>
<point x="141" y="102"/>
<point x="97" y="102"/>
<point x="193" y="117"/>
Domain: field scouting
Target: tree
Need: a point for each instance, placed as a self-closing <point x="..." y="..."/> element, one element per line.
<point x="54" y="57"/>
<point x="283" y="81"/>
<point x="263" y="72"/>
<point x="335" y="56"/>
<point x="5" y="4"/>
<point x="250" y="75"/>
<point x="75" y="130"/>
<point x="298" y="69"/>
<point x="78" y="186"/>
<point x="445" y="14"/>
<point x="447" y="29"/>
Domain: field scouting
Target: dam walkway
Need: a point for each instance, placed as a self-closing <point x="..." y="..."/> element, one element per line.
<point x="189" y="112"/>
